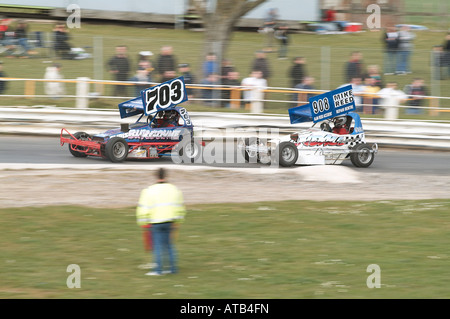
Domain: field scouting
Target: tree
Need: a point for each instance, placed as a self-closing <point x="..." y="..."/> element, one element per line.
<point x="219" y="18"/>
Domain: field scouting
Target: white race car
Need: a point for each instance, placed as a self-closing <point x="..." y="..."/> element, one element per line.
<point x="334" y="140"/>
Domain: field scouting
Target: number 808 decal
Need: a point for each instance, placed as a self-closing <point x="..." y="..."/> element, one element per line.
<point x="164" y="95"/>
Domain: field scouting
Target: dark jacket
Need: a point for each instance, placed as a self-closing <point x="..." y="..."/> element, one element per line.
<point x="3" y="83"/>
<point x="353" y="69"/>
<point x="391" y="41"/>
<point x="122" y="65"/>
<point x="297" y="74"/>
<point x="261" y="64"/>
<point x="165" y="63"/>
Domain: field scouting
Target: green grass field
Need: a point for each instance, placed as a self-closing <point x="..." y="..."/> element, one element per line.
<point x="292" y="250"/>
<point x="100" y="39"/>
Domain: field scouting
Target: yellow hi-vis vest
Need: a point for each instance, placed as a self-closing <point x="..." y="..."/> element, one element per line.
<point x="160" y="203"/>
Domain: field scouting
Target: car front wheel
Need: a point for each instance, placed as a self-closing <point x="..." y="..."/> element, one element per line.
<point x="362" y="155"/>
<point x="116" y="149"/>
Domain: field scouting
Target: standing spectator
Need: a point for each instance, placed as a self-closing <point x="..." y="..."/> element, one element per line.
<point x="373" y="72"/>
<point x="306" y="84"/>
<point x="6" y="37"/>
<point x="446" y="55"/>
<point x="415" y="91"/>
<point x="54" y="89"/>
<point x="329" y="15"/>
<point x="161" y="205"/>
<point x="282" y="34"/>
<point x="405" y="47"/>
<point x="370" y="97"/>
<point x="145" y="62"/>
<point x="391" y="41"/>
<point x="358" y="90"/>
<point x="391" y="98"/>
<point x="141" y="79"/>
<point x="168" y="75"/>
<point x="210" y="65"/>
<point x="232" y="79"/>
<point x="21" y="34"/>
<point x="210" y="93"/>
<point x="354" y="67"/>
<point x="439" y="62"/>
<point x="189" y="78"/>
<point x="297" y="71"/>
<point x="227" y="67"/>
<point x="61" y="39"/>
<point x="268" y="28"/>
<point x="166" y="61"/>
<point x="119" y="66"/>
<point x="3" y="83"/>
<point x="254" y="85"/>
<point x="260" y="63"/>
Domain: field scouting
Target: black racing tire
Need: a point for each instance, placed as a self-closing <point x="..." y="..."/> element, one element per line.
<point x="83" y="136"/>
<point x="249" y="156"/>
<point x="190" y="151"/>
<point x="363" y="155"/>
<point x="287" y="154"/>
<point x="116" y="149"/>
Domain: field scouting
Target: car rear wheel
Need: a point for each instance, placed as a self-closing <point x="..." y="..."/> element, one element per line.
<point x="362" y="156"/>
<point x="251" y="150"/>
<point x="76" y="150"/>
<point x="287" y="154"/>
<point x="116" y="149"/>
<point x="190" y="151"/>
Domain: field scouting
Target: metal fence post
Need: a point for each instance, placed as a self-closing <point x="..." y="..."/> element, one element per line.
<point x="98" y="63"/>
<point x="325" y="68"/>
<point x="435" y="84"/>
<point x="82" y="100"/>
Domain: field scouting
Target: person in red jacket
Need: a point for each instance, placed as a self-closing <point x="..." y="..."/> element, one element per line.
<point x="339" y="125"/>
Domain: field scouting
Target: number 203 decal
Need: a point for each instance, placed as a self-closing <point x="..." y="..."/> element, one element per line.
<point x="164" y="95"/>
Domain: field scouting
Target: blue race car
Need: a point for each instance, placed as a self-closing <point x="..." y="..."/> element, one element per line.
<point x="166" y="131"/>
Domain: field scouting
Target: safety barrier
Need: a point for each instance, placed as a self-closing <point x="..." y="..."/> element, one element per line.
<point x="235" y="99"/>
<point x="50" y="120"/>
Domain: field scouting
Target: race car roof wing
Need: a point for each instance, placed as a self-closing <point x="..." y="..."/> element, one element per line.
<point x="160" y="97"/>
<point x="300" y="114"/>
<point x="131" y="107"/>
<point x="325" y="106"/>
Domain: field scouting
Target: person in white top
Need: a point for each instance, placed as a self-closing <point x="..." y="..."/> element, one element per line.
<point x="391" y="98"/>
<point x="54" y="89"/>
<point x="254" y="93"/>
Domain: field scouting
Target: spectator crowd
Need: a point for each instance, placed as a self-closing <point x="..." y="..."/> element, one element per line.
<point x="217" y="81"/>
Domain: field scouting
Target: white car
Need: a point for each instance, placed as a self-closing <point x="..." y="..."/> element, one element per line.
<point x="318" y="145"/>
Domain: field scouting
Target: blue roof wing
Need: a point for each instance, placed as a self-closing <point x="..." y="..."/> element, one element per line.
<point x="300" y="114"/>
<point x="131" y="107"/>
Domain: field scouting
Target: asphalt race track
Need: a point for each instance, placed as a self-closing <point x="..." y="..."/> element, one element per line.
<point x="47" y="150"/>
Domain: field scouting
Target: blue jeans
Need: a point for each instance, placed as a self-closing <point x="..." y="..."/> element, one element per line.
<point x="390" y="60"/>
<point x="163" y="246"/>
<point x="403" y="57"/>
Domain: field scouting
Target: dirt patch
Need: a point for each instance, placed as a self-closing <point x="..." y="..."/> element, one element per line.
<point x="118" y="188"/>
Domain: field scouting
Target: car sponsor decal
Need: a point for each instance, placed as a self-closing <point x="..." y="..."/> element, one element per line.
<point x="332" y="104"/>
<point x="143" y="134"/>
